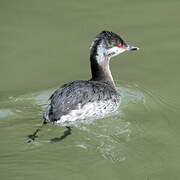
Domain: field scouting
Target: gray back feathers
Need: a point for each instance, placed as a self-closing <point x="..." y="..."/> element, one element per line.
<point x="76" y="94"/>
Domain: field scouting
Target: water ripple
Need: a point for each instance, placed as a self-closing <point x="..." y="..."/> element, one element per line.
<point x="109" y="136"/>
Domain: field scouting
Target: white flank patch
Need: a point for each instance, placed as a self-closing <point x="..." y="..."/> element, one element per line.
<point x="91" y="110"/>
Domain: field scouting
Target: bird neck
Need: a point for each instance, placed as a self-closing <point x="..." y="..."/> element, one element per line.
<point x="100" y="70"/>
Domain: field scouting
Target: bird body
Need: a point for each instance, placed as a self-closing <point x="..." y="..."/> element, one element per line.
<point x="94" y="98"/>
<point x="79" y="100"/>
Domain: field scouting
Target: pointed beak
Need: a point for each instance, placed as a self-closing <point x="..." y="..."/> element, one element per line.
<point x="132" y="48"/>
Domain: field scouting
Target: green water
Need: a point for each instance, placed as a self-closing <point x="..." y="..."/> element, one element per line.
<point x="45" y="43"/>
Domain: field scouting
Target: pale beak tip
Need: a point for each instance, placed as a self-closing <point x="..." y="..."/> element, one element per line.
<point x="132" y="48"/>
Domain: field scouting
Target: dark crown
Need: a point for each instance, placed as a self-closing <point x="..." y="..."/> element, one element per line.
<point x="109" y="39"/>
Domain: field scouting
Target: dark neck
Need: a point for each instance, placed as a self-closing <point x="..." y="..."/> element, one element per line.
<point x="100" y="71"/>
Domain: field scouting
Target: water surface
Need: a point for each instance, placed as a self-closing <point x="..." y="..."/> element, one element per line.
<point x="45" y="44"/>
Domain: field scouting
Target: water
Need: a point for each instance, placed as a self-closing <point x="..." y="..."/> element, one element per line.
<point x="45" y="44"/>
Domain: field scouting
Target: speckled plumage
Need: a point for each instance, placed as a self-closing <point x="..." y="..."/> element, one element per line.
<point x="76" y="95"/>
<point x="91" y="99"/>
<point x="97" y="97"/>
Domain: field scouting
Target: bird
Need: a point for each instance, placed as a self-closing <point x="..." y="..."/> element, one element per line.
<point x="95" y="98"/>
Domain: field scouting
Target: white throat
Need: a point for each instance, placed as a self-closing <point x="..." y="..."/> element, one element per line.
<point x="100" y="56"/>
<point x="107" y="54"/>
<point x="107" y="72"/>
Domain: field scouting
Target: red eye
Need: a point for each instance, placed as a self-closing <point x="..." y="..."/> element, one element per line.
<point x="120" y="45"/>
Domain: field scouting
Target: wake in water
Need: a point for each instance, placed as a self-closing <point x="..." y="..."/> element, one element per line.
<point x="106" y="136"/>
<point x="109" y="136"/>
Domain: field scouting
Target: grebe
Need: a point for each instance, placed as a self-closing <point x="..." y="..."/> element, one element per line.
<point x="94" y="98"/>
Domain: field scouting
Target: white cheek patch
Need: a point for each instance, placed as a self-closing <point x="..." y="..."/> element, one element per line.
<point x="100" y="53"/>
<point x="115" y="51"/>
